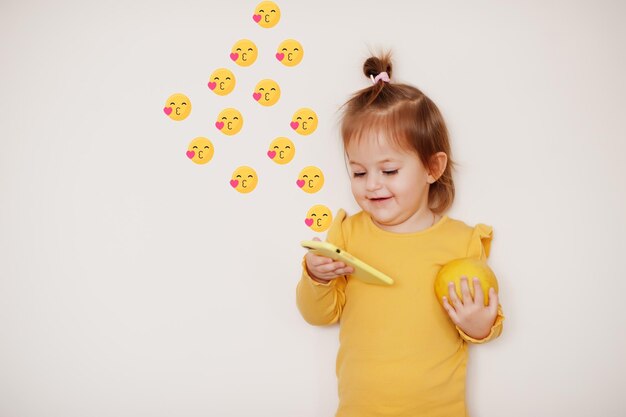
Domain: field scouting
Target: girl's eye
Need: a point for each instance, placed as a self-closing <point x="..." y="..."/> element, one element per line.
<point x="184" y="104"/>
<point x="250" y="49"/>
<point x="195" y="147"/>
<point x="358" y="174"/>
<point x="207" y="147"/>
<point x="295" y="49"/>
<point x="172" y="104"/>
<point x="395" y="171"/>
<point x="235" y="118"/>
<point x="216" y="78"/>
<point x="239" y="49"/>
<point x="228" y="78"/>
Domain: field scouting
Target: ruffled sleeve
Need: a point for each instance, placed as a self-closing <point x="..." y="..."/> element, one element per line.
<point x="480" y="242"/>
<point x="479" y="248"/>
<point x="321" y="304"/>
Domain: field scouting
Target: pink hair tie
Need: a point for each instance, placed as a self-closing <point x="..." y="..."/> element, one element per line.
<point x="382" y="76"/>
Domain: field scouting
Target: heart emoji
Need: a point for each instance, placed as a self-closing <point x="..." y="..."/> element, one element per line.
<point x="191" y="154"/>
<point x="256" y="18"/>
<point x="300" y="183"/>
<point x="234" y="183"/>
<point x="167" y="110"/>
<point x="294" y="125"/>
<point x="271" y="154"/>
<point x="280" y="56"/>
<point x="212" y="85"/>
<point x="219" y="125"/>
<point x="257" y="96"/>
<point x="234" y="56"/>
<point x="308" y="222"/>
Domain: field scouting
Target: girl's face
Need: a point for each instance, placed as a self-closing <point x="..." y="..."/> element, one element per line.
<point x="389" y="183"/>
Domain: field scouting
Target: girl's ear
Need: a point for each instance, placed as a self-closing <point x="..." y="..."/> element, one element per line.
<point x="438" y="163"/>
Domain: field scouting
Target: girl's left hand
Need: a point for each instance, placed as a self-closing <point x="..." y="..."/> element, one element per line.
<point x="471" y="315"/>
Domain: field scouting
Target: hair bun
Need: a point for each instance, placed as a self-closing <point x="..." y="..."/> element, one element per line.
<point x="375" y="65"/>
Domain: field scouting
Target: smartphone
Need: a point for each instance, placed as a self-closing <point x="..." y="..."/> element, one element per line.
<point x="362" y="271"/>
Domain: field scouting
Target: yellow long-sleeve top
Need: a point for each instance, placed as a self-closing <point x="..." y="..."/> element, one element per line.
<point x="400" y="354"/>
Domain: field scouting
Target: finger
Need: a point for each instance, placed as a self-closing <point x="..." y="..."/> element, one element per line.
<point x="479" y="297"/>
<point x="493" y="301"/>
<point x="317" y="260"/>
<point x="450" y="310"/>
<point x="344" y="271"/>
<point x="317" y="238"/>
<point x="331" y="267"/>
<point x="456" y="303"/>
<point x="465" y="291"/>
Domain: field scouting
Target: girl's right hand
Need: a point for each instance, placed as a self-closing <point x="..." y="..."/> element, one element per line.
<point x="323" y="269"/>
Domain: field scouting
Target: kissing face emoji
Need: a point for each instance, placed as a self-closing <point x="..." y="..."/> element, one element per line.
<point x="304" y="121"/>
<point x="200" y="150"/>
<point x="281" y="151"/>
<point x="244" y="180"/>
<point x="229" y="121"/>
<point x="319" y="218"/>
<point x="266" y="14"/>
<point x="266" y="92"/>
<point x="244" y="53"/>
<point x="222" y="81"/>
<point x="290" y="52"/>
<point x="177" y="107"/>
<point x="310" y="179"/>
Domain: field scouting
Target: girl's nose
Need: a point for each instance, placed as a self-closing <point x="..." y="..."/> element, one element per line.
<point x="373" y="182"/>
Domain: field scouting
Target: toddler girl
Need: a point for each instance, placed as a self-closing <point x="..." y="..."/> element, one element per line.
<point x="401" y="353"/>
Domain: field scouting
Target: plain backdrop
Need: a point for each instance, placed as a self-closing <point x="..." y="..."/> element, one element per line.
<point x="136" y="283"/>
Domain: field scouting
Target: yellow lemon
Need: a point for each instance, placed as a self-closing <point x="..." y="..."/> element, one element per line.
<point x="469" y="267"/>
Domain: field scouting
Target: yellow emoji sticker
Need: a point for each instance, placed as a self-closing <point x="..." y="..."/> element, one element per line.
<point x="266" y="14"/>
<point x="281" y="151"/>
<point x="177" y="107"/>
<point x="229" y="121"/>
<point x="200" y="150"/>
<point x="244" y="53"/>
<point x="319" y="218"/>
<point x="290" y="52"/>
<point x="222" y="81"/>
<point x="304" y="121"/>
<point x="244" y="179"/>
<point x="310" y="179"/>
<point x="266" y="92"/>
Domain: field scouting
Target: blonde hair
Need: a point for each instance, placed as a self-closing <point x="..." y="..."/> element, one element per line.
<point x="409" y="119"/>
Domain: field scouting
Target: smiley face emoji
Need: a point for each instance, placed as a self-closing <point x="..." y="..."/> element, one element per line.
<point x="222" y="81"/>
<point x="266" y="14"/>
<point x="281" y="151"/>
<point x="304" y="121"/>
<point x="244" y="179"/>
<point x="244" y="53"/>
<point x="229" y="121"/>
<point x="319" y="218"/>
<point x="266" y="92"/>
<point x="200" y="150"/>
<point x="310" y="179"/>
<point x="177" y="107"/>
<point x="290" y="52"/>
